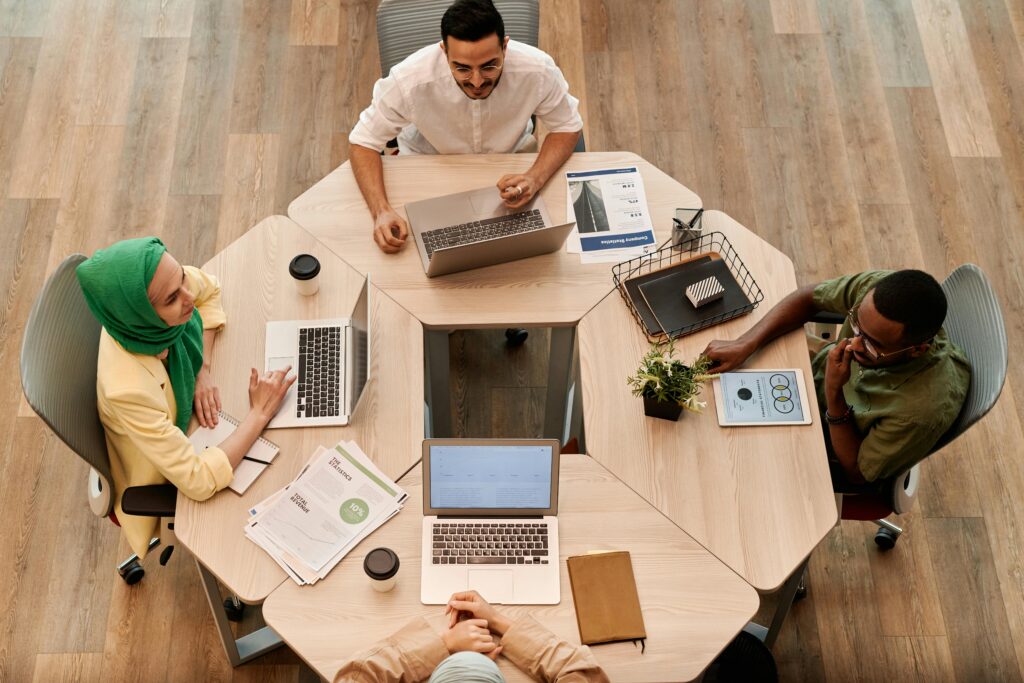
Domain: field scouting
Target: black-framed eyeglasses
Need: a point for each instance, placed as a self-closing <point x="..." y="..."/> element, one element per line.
<point x="869" y="346"/>
<point x="464" y="73"/>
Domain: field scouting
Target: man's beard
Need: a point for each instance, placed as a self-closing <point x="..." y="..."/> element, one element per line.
<point x="466" y="88"/>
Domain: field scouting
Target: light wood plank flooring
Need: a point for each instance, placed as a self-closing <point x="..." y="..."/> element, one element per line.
<point x="849" y="133"/>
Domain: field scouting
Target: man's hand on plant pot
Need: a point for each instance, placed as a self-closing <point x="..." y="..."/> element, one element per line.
<point x="728" y="355"/>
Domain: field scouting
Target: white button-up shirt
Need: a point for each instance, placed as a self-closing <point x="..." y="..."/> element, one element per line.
<point x="421" y="104"/>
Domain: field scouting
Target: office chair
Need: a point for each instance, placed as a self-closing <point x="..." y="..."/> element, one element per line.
<point x="404" y="26"/>
<point x="974" y="322"/>
<point x="58" y="376"/>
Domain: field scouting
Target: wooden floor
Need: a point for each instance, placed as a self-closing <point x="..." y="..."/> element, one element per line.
<point x="849" y="133"/>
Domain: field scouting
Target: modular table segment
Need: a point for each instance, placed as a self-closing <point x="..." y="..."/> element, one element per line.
<point x="759" y="498"/>
<point x="388" y="422"/>
<point x="693" y="605"/>
<point x="549" y="290"/>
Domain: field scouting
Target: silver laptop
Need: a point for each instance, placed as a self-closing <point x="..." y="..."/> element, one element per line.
<point x="475" y="229"/>
<point x="489" y="522"/>
<point x="331" y="359"/>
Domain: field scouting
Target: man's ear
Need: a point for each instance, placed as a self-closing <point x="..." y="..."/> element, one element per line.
<point x="504" y="45"/>
<point x="444" y="48"/>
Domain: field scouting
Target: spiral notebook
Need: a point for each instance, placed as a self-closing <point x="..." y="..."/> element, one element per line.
<point x="255" y="461"/>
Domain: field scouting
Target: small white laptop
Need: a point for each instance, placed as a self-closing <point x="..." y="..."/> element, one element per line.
<point x="331" y="359"/>
<point x="474" y="229"/>
<point x="489" y="522"/>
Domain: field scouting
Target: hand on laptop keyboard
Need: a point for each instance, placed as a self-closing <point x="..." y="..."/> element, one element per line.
<point x="390" y="231"/>
<point x="266" y="391"/>
<point x="517" y="189"/>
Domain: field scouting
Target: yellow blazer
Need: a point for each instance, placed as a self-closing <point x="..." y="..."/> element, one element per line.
<point x="138" y="411"/>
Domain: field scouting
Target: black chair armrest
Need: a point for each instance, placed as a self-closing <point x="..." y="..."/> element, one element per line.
<point x="828" y="318"/>
<point x="156" y="500"/>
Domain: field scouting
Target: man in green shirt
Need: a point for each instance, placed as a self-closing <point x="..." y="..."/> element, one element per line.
<point x="890" y="386"/>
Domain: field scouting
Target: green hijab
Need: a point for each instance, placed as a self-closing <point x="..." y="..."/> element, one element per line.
<point x="114" y="282"/>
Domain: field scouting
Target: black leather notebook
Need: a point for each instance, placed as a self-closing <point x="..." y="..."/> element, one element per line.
<point x="640" y="304"/>
<point x="666" y="296"/>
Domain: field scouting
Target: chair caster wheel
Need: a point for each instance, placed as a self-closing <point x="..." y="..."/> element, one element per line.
<point x="234" y="609"/>
<point x="166" y="555"/>
<point x="801" y="593"/>
<point x="515" y="336"/>
<point x="885" y="539"/>
<point x="132" y="573"/>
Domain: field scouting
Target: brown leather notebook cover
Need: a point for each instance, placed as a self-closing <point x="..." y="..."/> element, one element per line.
<point x="604" y="592"/>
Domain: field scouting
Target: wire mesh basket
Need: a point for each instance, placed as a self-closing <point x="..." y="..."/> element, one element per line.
<point x="629" y="275"/>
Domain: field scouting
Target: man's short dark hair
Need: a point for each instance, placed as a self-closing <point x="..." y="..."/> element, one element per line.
<point x="472" y="20"/>
<point x="915" y="299"/>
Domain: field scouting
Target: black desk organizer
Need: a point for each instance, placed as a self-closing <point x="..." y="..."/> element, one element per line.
<point x="683" y="264"/>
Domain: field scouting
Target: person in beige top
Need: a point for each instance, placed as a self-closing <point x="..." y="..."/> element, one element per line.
<point x="466" y="651"/>
<point x="160" y="320"/>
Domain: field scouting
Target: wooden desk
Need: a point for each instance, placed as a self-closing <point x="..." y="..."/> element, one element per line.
<point x="693" y="605"/>
<point x="759" y="498"/>
<point x="553" y="290"/>
<point x="550" y="290"/>
<point x="388" y="422"/>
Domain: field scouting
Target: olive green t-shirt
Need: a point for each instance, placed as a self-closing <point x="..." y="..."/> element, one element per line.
<point x="900" y="410"/>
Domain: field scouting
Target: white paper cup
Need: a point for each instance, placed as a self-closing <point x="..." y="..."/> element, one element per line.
<point x="381" y="566"/>
<point x="305" y="271"/>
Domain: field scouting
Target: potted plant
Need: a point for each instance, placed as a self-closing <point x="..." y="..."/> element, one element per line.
<point x="666" y="384"/>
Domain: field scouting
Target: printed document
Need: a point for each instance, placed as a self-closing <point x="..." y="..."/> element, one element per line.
<point x="337" y="500"/>
<point x="609" y="207"/>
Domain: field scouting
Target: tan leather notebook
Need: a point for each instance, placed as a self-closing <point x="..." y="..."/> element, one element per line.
<point x="604" y="592"/>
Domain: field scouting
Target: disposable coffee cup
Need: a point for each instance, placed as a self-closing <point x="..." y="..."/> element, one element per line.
<point x="381" y="565"/>
<point x="305" y="269"/>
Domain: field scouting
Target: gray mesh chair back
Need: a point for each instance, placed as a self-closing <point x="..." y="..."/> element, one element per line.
<point x="404" y="26"/>
<point x="58" y="365"/>
<point x="975" y="323"/>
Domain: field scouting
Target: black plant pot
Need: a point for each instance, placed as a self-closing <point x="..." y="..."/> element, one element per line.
<point x="666" y="410"/>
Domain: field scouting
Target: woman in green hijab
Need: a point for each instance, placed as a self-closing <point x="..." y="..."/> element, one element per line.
<point x="160" y="320"/>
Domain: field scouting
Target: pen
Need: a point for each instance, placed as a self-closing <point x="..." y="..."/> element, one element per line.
<point x="262" y="462"/>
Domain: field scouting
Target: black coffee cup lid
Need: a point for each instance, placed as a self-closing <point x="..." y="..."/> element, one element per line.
<point x="304" y="267"/>
<point x="381" y="563"/>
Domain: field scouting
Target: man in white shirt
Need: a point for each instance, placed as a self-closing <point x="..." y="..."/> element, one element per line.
<point x="472" y="93"/>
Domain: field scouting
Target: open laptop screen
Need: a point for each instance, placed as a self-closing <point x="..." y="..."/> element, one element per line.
<point x="490" y="477"/>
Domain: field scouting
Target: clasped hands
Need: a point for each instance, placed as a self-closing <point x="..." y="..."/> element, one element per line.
<point x="472" y="625"/>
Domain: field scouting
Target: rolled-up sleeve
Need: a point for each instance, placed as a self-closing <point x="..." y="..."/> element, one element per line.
<point x="540" y="653"/>
<point x="384" y="119"/>
<point x="206" y="289"/>
<point x="558" y="110"/>
<point x="197" y="475"/>
<point x="843" y="293"/>
<point x="410" y="654"/>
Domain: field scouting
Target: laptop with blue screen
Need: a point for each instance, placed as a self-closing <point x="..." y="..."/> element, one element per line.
<point x="489" y="520"/>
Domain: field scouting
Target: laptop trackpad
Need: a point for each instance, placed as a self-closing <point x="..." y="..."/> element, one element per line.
<point x="488" y="204"/>
<point x="495" y="585"/>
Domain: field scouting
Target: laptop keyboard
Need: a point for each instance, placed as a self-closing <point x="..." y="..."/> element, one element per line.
<point x="504" y="543"/>
<point x="479" y="231"/>
<point x="319" y="377"/>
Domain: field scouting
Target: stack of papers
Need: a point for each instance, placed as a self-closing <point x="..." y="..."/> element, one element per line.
<point x="338" y="499"/>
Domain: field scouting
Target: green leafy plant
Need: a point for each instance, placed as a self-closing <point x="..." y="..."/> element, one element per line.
<point x="663" y="378"/>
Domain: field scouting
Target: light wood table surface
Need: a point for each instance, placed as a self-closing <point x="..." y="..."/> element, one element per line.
<point x="692" y="604"/>
<point x="759" y="498"/>
<point x="388" y="423"/>
<point x="553" y="289"/>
